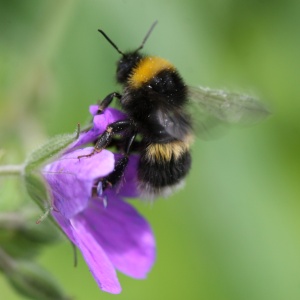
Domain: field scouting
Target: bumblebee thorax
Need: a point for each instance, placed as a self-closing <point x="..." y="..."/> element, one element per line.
<point x="146" y="69"/>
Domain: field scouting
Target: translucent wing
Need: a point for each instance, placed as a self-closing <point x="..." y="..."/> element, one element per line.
<point x="211" y="109"/>
<point x="226" y="107"/>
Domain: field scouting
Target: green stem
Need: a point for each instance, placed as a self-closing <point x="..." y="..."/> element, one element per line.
<point x="11" y="170"/>
<point x="12" y="220"/>
<point x="7" y="264"/>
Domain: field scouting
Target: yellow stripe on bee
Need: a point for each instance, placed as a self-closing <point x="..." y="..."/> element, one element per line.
<point x="166" y="152"/>
<point x="147" y="68"/>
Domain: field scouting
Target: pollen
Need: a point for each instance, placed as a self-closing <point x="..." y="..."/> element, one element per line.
<point x="147" y="69"/>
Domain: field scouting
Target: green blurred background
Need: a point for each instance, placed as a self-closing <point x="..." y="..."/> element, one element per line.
<point x="233" y="233"/>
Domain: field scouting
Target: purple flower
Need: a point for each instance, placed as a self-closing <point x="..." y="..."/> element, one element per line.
<point x="110" y="235"/>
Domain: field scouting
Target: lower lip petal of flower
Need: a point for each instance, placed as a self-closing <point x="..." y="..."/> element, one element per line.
<point x="113" y="237"/>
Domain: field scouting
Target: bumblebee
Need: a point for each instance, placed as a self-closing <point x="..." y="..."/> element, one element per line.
<point x="155" y="99"/>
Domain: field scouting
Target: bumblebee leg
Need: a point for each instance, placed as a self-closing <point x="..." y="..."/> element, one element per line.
<point x="121" y="144"/>
<point x="129" y="142"/>
<point x="116" y="175"/>
<point x="107" y="100"/>
<point x="111" y="129"/>
<point x="106" y="137"/>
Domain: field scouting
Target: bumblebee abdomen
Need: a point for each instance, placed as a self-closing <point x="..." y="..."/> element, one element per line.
<point x="162" y="168"/>
<point x="165" y="152"/>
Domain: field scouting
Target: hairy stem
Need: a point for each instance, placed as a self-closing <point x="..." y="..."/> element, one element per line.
<point x="11" y="170"/>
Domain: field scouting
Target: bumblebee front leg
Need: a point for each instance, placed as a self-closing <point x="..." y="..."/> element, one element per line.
<point x="106" y="137"/>
<point x="116" y="175"/>
<point x="107" y="100"/>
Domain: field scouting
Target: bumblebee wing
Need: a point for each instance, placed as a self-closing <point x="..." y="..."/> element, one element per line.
<point x="214" y="110"/>
<point x="176" y="123"/>
<point x="227" y="107"/>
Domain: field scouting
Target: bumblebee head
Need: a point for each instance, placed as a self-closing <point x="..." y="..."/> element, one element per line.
<point x="128" y="60"/>
<point x="126" y="64"/>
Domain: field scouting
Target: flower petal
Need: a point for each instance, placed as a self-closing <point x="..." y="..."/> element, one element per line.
<point x="123" y="233"/>
<point x="71" y="179"/>
<point x="100" y="122"/>
<point x="98" y="262"/>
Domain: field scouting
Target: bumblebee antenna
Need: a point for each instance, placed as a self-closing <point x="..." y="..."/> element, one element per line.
<point x="146" y="37"/>
<point x="110" y="41"/>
